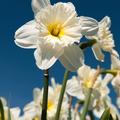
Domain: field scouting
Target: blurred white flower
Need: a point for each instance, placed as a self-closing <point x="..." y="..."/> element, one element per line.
<point x="33" y="109"/>
<point x="78" y="86"/>
<point x="87" y="76"/>
<point x="14" y="112"/>
<point x="104" y="39"/>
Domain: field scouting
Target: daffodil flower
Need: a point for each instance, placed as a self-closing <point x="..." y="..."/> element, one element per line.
<point x="53" y="33"/>
<point x="104" y="39"/>
<point x="78" y="86"/>
<point x="34" y="108"/>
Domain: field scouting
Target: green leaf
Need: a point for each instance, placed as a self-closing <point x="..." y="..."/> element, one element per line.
<point x="2" y="117"/>
<point x="106" y="115"/>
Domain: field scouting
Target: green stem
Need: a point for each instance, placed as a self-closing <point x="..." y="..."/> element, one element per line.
<point x="45" y="95"/>
<point x="113" y="72"/>
<point x="86" y="104"/>
<point x="62" y="94"/>
<point x="91" y="115"/>
<point x="69" y="114"/>
<point x="69" y="108"/>
<point x="89" y="43"/>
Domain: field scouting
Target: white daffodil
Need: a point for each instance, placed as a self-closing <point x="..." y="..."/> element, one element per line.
<point x="86" y="75"/>
<point x="53" y="33"/>
<point x="78" y="86"/>
<point x="104" y="39"/>
<point x="33" y="109"/>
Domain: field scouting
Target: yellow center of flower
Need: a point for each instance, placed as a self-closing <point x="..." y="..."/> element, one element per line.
<point x="36" y="118"/>
<point x="50" y="105"/>
<point x="56" y="30"/>
<point x="87" y="83"/>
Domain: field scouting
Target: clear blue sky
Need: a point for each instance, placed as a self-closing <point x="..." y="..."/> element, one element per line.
<point x="18" y="72"/>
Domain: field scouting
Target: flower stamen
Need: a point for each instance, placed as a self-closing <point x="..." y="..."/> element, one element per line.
<point x="56" y="30"/>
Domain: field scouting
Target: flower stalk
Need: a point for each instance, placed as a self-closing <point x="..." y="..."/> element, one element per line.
<point x="45" y="95"/>
<point x="62" y="94"/>
<point x="69" y="108"/>
<point x="113" y="72"/>
<point x="90" y="43"/>
<point x="86" y="104"/>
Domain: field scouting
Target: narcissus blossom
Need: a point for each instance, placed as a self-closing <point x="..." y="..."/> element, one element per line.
<point x="34" y="108"/>
<point x="104" y="39"/>
<point x="78" y="87"/>
<point x="53" y="33"/>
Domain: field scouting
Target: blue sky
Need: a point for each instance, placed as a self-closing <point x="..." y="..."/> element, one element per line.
<point x="18" y="71"/>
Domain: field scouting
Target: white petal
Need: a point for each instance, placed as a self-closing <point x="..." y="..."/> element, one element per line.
<point x="108" y="77"/>
<point x="27" y="35"/>
<point x="46" y="55"/>
<point x="37" y="95"/>
<point x="115" y="53"/>
<point x="83" y="72"/>
<point x="98" y="112"/>
<point x="53" y="83"/>
<point x="106" y="22"/>
<point x="15" y="112"/>
<point x="118" y="102"/>
<point x="74" y="89"/>
<point x="98" y="52"/>
<point x="115" y="62"/>
<point x="72" y="57"/>
<point x="37" y="5"/>
<point x="89" y="26"/>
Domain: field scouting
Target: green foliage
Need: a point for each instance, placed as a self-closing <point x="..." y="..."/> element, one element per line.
<point x="106" y="115"/>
